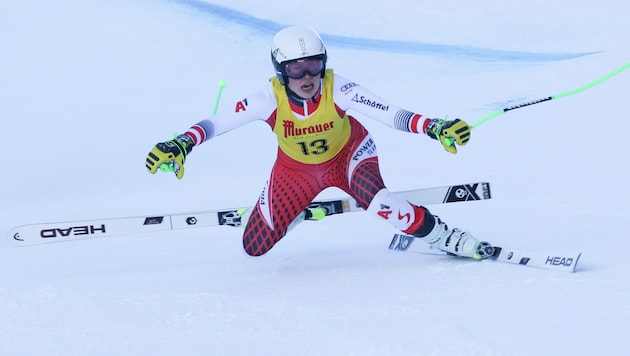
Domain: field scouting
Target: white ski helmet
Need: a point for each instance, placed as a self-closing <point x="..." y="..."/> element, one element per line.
<point x="296" y="42"/>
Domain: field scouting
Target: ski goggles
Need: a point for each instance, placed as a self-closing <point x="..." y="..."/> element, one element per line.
<point x="297" y="70"/>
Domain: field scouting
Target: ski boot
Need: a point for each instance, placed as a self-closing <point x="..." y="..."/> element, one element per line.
<point x="457" y="242"/>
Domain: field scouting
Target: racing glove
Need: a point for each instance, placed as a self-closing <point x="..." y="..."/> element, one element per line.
<point x="448" y="132"/>
<point x="170" y="156"/>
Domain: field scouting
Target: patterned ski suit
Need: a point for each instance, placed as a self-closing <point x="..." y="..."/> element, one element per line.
<point x="319" y="146"/>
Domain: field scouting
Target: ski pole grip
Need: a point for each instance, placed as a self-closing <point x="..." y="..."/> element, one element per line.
<point x="167" y="167"/>
<point x="221" y="84"/>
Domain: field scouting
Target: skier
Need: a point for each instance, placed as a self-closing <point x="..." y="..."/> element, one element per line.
<point x="320" y="146"/>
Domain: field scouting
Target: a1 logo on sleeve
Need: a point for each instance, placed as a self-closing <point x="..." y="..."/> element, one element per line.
<point x="241" y="105"/>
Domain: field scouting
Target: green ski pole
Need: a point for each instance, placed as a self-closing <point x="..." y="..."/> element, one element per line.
<point x="168" y="167"/>
<point x="449" y="141"/>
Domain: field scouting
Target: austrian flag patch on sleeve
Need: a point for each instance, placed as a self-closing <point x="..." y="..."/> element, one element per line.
<point x="408" y="121"/>
<point x="413" y="124"/>
<point x="201" y="132"/>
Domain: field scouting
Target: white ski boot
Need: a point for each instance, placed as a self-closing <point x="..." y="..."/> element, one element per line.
<point x="457" y="242"/>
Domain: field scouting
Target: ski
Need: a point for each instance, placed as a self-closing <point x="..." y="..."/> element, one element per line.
<point x="42" y="233"/>
<point x="566" y="262"/>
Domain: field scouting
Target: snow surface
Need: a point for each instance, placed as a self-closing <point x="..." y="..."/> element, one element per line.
<point x="87" y="87"/>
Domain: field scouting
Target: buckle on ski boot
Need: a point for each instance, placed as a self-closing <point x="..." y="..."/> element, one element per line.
<point x="483" y="251"/>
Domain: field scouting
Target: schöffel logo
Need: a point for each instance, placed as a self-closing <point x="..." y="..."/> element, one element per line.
<point x="365" y="101"/>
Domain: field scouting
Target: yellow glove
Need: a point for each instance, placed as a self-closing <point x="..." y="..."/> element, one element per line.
<point x="449" y="133"/>
<point x="170" y="156"/>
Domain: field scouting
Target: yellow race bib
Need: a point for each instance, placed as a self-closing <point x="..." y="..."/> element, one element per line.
<point x="317" y="138"/>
